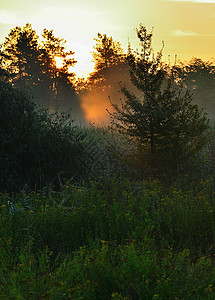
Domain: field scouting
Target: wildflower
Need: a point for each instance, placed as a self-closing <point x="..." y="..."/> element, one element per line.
<point x="209" y="289"/>
<point x="103" y="242"/>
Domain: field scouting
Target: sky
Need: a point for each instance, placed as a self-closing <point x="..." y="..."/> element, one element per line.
<point x="186" y="27"/>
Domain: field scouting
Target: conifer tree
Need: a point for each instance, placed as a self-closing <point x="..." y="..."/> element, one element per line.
<point x="108" y="57"/>
<point x="22" y="56"/>
<point x="166" y="127"/>
<point x="107" y="52"/>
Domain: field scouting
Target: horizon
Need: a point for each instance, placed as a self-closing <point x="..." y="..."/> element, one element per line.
<point x="186" y="27"/>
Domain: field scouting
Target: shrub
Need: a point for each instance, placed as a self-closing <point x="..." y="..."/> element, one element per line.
<point x="35" y="146"/>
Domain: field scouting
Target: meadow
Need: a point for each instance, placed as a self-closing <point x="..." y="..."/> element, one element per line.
<point x="110" y="238"/>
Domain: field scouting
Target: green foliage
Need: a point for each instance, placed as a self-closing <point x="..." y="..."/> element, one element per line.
<point x="35" y="146"/>
<point x="166" y="127"/>
<point x="110" y="239"/>
<point x="39" y="149"/>
<point x="102" y="152"/>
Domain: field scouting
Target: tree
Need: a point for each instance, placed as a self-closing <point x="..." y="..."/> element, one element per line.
<point x="33" y="68"/>
<point x="61" y="78"/>
<point x="166" y="127"/>
<point x="107" y="52"/>
<point x="110" y="68"/>
<point x="22" y="56"/>
<point x="53" y="48"/>
<point x="199" y="76"/>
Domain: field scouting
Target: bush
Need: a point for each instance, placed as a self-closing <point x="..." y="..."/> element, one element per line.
<point x="35" y="146"/>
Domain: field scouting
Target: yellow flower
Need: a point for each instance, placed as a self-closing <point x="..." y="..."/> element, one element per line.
<point x="209" y="289"/>
<point x="19" y="265"/>
<point x="3" y="206"/>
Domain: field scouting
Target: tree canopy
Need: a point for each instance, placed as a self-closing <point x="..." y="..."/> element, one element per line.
<point x="199" y="76"/>
<point x="107" y="52"/>
<point x="31" y="63"/>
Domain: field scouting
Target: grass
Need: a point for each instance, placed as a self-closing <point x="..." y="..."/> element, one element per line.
<point x="109" y="239"/>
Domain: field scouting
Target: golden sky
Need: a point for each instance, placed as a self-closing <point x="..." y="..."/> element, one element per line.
<point x="186" y="27"/>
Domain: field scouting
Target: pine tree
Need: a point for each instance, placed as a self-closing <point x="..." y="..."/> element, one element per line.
<point x="107" y="52"/>
<point x="22" y="56"/>
<point x="166" y="127"/>
<point x="108" y="57"/>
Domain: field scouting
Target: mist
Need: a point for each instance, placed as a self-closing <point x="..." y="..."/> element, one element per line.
<point x="97" y="99"/>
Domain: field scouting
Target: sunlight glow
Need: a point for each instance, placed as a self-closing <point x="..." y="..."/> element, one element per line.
<point x="59" y="62"/>
<point x="186" y="26"/>
<point x="83" y="56"/>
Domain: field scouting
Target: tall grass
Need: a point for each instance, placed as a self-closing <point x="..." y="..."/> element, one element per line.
<point x="108" y="239"/>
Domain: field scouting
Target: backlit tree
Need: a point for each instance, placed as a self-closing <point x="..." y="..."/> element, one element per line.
<point x="165" y="126"/>
<point x="32" y="66"/>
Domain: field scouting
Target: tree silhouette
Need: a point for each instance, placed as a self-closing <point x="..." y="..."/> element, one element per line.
<point x="61" y="79"/>
<point x="32" y="66"/>
<point x="107" y="52"/>
<point x="55" y="47"/>
<point x="23" y="57"/>
<point x="110" y="68"/>
<point x="165" y="126"/>
<point x="199" y="76"/>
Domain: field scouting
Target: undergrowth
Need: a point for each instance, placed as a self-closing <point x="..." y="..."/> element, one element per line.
<point x="109" y="239"/>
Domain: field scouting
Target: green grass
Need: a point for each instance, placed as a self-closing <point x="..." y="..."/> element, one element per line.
<point x="109" y="239"/>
